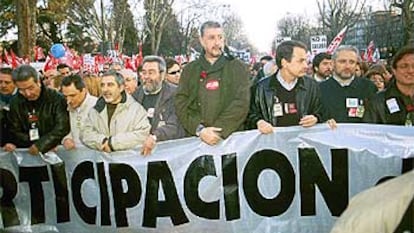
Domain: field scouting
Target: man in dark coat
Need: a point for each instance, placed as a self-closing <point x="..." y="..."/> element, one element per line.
<point x="212" y="100"/>
<point x="157" y="97"/>
<point x="395" y="104"/>
<point x="288" y="97"/>
<point x="38" y="118"/>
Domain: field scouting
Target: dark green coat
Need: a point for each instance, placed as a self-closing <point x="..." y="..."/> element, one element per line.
<point x="199" y="100"/>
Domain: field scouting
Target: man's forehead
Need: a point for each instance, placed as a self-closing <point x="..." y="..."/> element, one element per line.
<point x="6" y="76"/>
<point x="108" y="79"/>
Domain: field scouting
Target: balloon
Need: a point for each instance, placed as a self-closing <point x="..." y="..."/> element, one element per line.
<point x="57" y="50"/>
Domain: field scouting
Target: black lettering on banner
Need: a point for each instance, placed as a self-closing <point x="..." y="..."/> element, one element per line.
<point x="312" y="173"/>
<point x="201" y="167"/>
<point x="81" y="173"/>
<point x="34" y="176"/>
<point x="8" y="211"/>
<point x="231" y="186"/>
<point x="407" y="165"/>
<point x="276" y="161"/>
<point x="159" y="172"/>
<point x="105" y="215"/>
<point x="61" y="191"/>
<point x="124" y="200"/>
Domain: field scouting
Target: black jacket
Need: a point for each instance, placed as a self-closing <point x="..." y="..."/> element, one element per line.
<point x="53" y="120"/>
<point x="378" y="111"/>
<point x="264" y="93"/>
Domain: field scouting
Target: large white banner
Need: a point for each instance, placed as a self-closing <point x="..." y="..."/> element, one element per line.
<point x="295" y="180"/>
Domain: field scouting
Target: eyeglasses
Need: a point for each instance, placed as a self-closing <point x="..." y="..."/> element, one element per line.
<point x="174" y="72"/>
<point x="405" y="66"/>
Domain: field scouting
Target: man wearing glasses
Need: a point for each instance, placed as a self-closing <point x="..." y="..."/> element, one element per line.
<point x="173" y="71"/>
<point x="395" y="104"/>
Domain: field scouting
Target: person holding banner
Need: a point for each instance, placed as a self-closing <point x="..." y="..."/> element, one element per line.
<point x="157" y="97"/>
<point x="287" y="97"/>
<point x="79" y="104"/>
<point x="38" y="119"/>
<point x="344" y="96"/>
<point x="395" y="105"/>
<point x="212" y="99"/>
<point x="117" y="121"/>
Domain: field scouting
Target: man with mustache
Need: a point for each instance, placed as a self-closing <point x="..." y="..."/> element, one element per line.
<point x="343" y="95"/>
<point x="212" y="99"/>
<point x="157" y="97"/>
<point x="117" y="121"/>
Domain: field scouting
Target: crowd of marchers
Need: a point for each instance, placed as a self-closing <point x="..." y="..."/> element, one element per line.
<point x="210" y="97"/>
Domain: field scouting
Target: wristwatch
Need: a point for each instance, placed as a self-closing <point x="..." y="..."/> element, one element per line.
<point x="199" y="128"/>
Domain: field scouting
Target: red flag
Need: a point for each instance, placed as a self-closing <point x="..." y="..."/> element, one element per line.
<point x="370" y="51"/>
<point x="38" y="53"/>
<point x="336" y="41"/>
<point x="15" y="61"/>
<point x="139" y="58"/>
<point x="51" y="63"/>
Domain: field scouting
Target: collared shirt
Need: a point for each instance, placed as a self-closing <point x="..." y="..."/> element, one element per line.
<point x="344" y="83"/>
<point x="319" y="79"/>
<point x="286" y="85"/>
<point x="78" y="116"/>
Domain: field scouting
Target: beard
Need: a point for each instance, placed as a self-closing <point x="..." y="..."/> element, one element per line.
<point x="152" y="87"/>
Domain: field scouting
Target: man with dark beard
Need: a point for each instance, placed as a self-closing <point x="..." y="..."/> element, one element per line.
<point x="157" y="97"/>
<point x="213" y="95"/>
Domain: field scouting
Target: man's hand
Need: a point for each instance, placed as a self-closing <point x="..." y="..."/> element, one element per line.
<point x="210" y="135"/>
<point x="68" y="144"/>
<point x="264" y="127"/>
<point x="331" y="123"/>
<point x="33" y="150"/>
<point x="148" y="145"/>
<point x="105" y="147"/>
<point x="9" y="147"/>
<point x="308" y="121"/>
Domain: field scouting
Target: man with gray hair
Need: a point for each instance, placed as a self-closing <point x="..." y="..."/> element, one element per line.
<point x="157" y="97"/>
<point x="344" y="96"/>
<point x="117" y="121"/>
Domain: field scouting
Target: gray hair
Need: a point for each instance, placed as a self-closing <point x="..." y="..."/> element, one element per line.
<point x="24" y="73"/>
<point x="153" y="58"/>
<point x="345" y="48"/>
<point x="119" y="79"/>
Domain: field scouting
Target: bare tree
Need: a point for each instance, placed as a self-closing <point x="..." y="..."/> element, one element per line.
<point x="233" y="29"/>
<point x="157" y="14"/>
<point x="407" y="15"/>
<point x="297" y="27"/>
<point x="336" y="14"/>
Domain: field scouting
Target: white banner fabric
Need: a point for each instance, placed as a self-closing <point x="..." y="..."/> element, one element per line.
<point x="294" y="180"/>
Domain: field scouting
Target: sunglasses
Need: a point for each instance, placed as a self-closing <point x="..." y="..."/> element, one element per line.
<point x="174" y="72"/>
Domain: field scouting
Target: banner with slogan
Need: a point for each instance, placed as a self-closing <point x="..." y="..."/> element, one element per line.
<point x="294" y="180"/>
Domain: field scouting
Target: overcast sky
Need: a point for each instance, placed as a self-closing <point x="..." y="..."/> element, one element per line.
<point x="260" y="16"/>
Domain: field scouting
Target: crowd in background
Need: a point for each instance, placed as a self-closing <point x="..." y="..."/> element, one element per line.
<point x="211" y="97"/>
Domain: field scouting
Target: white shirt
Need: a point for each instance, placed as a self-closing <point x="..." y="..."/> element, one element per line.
<point x="344" y="83"/>
<point x="78" y="116"/>
<point x="286" y="85"/>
